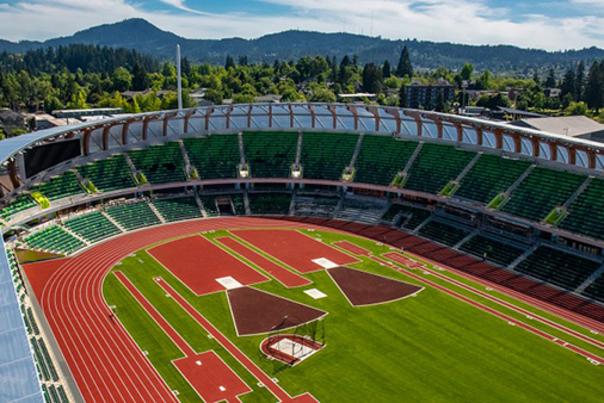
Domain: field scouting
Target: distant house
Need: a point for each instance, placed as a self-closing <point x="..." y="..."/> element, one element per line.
<point x="512" y="114"/>
<point x="572" y="126"/>
<point x="552" y="92"/>
<point x="268" y="99"/>
<point x="420" y="96"/>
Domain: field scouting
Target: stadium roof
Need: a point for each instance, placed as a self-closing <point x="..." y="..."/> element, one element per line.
<point x="18" y="376"/>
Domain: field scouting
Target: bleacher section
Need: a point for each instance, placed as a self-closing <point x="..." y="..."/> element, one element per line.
<point x="269" y="203"/>
<point x="316" y="206"/>
<point x="435" y="166"/>
<point x="21" y="203"/>
<point x="586" y="213"/>
<point x="540" y="192"/>
<point x="54" y="239"/>
<point x="490" y="176"/>
<point x="557" y="267"/>
<point x="325" y="155"/>
<point x="182" y="208"/>
<point x="161" y="163"/>
<point x="365" y="210"/>
<point x="596" y="289"/>
<point x="110" y="174"/>
<point x="270" y="155"/>
<point x="381" y="158"/>
<point x="60" y="186"/>
<point x="412" y="217"/>
<point x="238" y="204"/>
<point x="133" y="215"/>
<point x="442" y="233"/>
<point x="92" y="226"/>
<point x="209" y="204"/>
<point x="494" y="251"/>
<point x="215" y="157"/>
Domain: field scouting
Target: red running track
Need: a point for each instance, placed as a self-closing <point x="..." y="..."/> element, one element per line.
<point x="104" y="360"/>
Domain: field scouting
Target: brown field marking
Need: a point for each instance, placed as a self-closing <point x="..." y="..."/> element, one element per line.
<point x="294" y="248"/>
<point x="258" y="312"/>
<point x="284" y="276"/>
<point x="361" y="288"/>
<point x="352" y="248"/>
<point x="197" y="263"/>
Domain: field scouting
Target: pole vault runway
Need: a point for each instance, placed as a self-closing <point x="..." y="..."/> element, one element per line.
<point x="106" y="363"/>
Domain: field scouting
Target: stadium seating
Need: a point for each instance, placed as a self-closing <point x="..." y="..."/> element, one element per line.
<point x="381" y="158"/>
<point x="92" y="226"/>
<point x="411" y="217"/>
<point x="316" y="206"/>
<point x="557" y="267"/>
<point x="270" y="154"/>
<point x="596" y="289"/>
<point x="209" y="204"/>
<point x="60" y="186"/>
<point x="442" y="233"/>
<point x="133" y="215"/>
<point x="161" y="163"/>
<point x="490" y="176"/>
<point x="325" y="155"/>
<point x="540" y="192"/>
<point x="54" y="239"/>
<point x="215" y="157"/>
<point x="494" y="251"/>
<point x="182" y="208"/>
<point x="435" y="166"/>
<point x="238" y="204"/>
<point x="269" y="203"/>
<point x="21" y="203"/>
<point x="586" y="213"/>
<point x="110" y="174"/>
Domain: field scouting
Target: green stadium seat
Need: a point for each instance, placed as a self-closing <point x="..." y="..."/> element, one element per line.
<point x="54" y="239"/>
<point x="490" y="176"/>
<point x="215" y="157"/>
<point x="60" y="186"/>
<point x="443" y="233"/>
<point x="109" y="174"/>
<point x="177" y="209"/>
<point x="19" y="204"/>
<point x="270" y="203"/>
<point x="435" y="166"/>
<point x="161" y="163"/>
<point x="494" y="251"/>
<point x="541" y="191"/>
<point x="557" y="267"/>
<point x="92" y="226"/>
<point x="270" y="154"/>
<point x="133" y="215"/>
<point x="596" y="289"/>
<point x="325" y="155"/>
<point x="381" y="158"/>
<point x="586" y="213"/>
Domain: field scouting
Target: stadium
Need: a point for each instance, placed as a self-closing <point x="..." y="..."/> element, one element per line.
<point x="302" y="252"/>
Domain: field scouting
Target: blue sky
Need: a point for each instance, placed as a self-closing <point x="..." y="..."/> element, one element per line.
<point x="557" y="24"/>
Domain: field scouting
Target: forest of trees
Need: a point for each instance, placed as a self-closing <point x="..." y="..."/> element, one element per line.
<point x="81" y="76"/>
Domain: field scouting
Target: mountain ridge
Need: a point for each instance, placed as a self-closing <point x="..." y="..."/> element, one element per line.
<point x="145" y="37"/>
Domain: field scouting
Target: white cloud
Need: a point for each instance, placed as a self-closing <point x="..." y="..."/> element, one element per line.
<point x="462" y="21"/>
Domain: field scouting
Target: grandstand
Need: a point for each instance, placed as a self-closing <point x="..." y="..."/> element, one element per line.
<point x="437" y="210"/>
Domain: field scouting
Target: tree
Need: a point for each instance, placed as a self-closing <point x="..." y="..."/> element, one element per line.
<point x="140" y="81"/>
<point x="550" y="81"/>
<point x="404" y="67"/>
<point x="230" y="62"/>
<point x="579" y="81"/>
<point x="492" y="102"/>
<point x="402" y="97"/>
<point x="594" y="91"/>
<point x="122" y="79"/>
<point x="576" y="108"/>
<point x="568" y="85"/>
<point x="466" y="72"/>
<point x="372" y="79"/>
<point x="386" y="69"/>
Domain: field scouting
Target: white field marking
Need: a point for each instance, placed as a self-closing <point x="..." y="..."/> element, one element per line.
<point x="314" y="293"/>
<point x="222" y="388"/>
<point x="229" y="283"/>
<point x="293" y="349"/>
<point x="325" y="263"/>
<point x="198" y="363"/>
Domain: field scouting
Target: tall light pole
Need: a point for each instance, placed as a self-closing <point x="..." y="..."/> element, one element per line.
<point x="178" y="78"/>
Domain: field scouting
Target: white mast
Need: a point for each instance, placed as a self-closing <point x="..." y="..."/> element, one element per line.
<point x="178" y="78"/>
